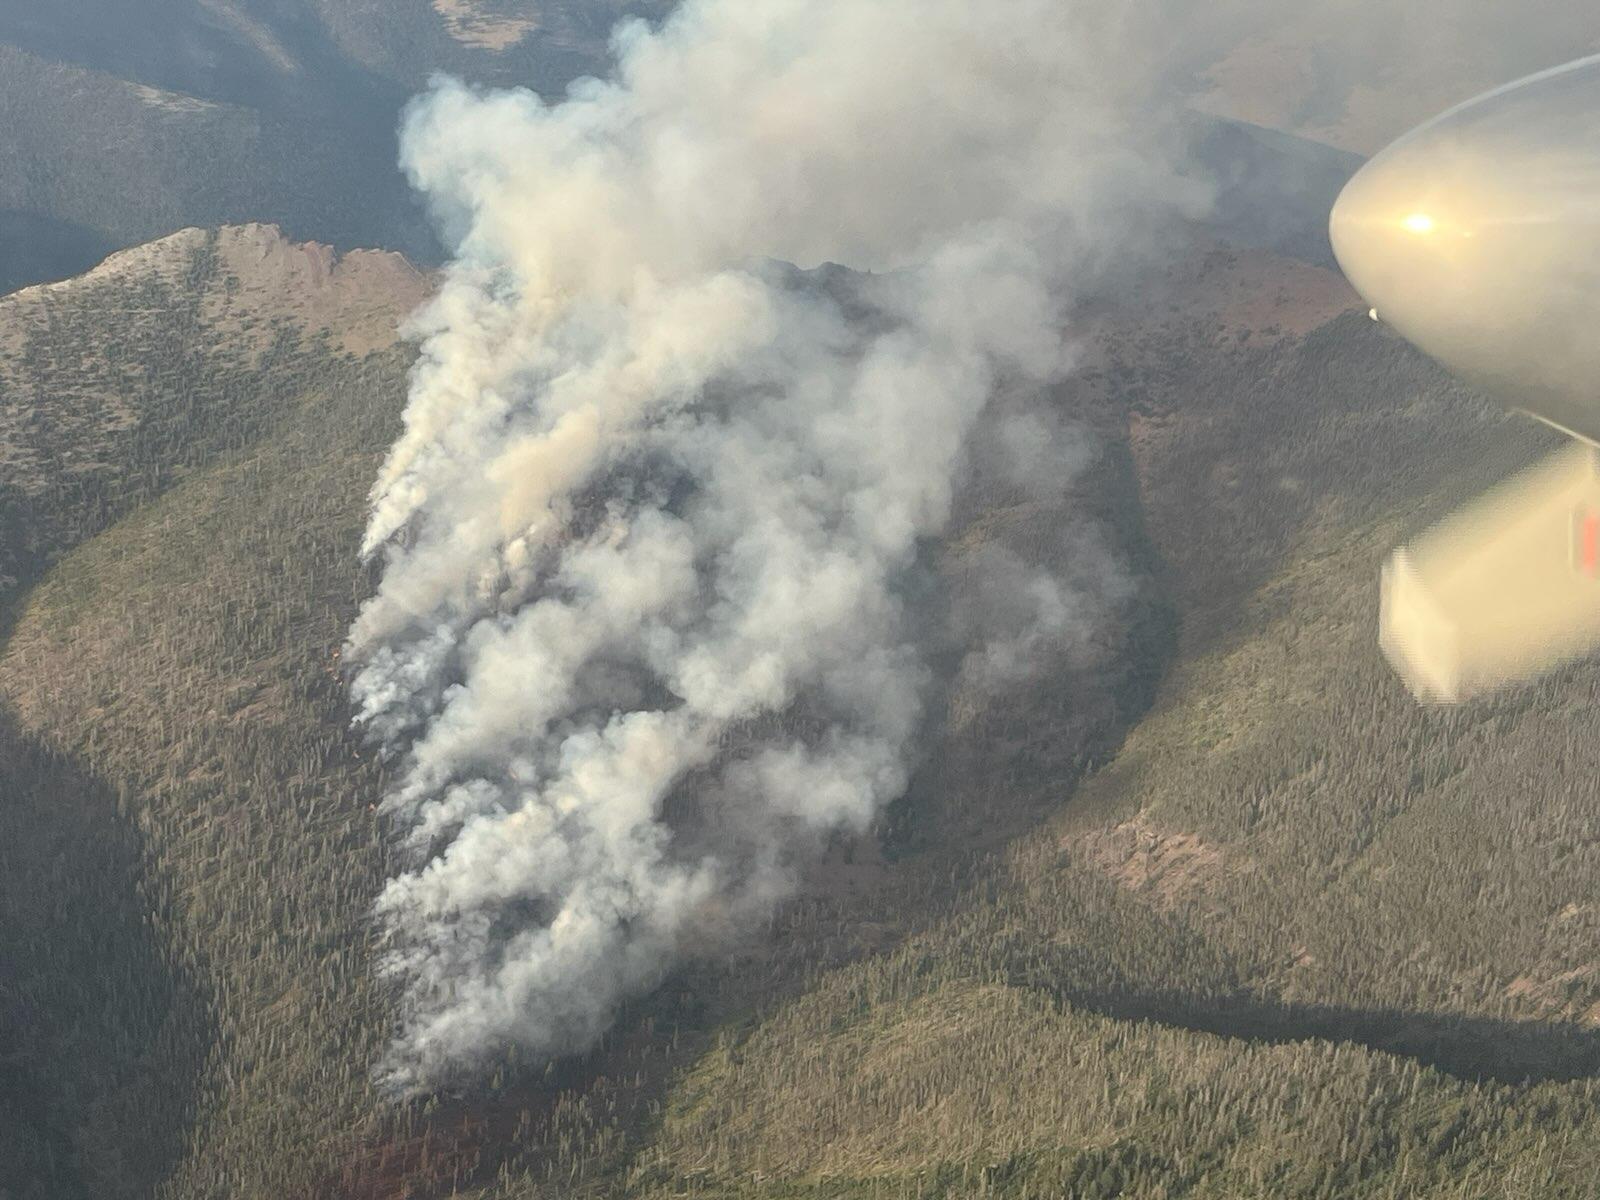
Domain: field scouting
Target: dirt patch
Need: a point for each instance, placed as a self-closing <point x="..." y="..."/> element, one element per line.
<point x="359" y="298"/>
<point x="471" y="26"/>
<point x="1166" y="866"/>
<point x="1562" y="996"/>
<point x="171" y="102"/>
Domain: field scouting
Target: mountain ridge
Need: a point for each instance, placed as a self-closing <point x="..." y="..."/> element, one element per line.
<point x="1210" y="919"/>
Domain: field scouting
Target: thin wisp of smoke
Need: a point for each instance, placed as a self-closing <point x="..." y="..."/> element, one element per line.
<point x="643" y="636"/>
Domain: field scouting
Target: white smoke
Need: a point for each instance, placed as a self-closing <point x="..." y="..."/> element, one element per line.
<point x="642" y="636"/>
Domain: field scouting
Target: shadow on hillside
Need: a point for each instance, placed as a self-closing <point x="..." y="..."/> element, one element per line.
<point x="1469" y="1048"/>
<point x="1000" y="760"/>
<point x="35" y="248"/>
<point x="95" y="1084"/>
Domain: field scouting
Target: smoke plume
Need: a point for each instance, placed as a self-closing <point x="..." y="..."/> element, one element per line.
<point x="643" y="636"/>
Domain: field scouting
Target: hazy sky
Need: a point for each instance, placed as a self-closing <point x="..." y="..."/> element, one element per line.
<point x="1358" y="73"/>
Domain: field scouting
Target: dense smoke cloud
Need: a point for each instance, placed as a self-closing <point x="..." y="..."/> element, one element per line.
<point x="643" y="636"/>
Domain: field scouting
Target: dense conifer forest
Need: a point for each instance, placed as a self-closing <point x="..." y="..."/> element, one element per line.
<point x="1233" y="917"/>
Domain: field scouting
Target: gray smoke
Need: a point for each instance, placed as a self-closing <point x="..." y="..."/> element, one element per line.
<point x="643" y="637"/>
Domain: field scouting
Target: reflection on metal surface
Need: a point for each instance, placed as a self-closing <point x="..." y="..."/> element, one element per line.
<point x="1478" y="238"/>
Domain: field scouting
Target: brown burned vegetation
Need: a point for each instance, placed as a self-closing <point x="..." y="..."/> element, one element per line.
<point x="1291" y="936"/>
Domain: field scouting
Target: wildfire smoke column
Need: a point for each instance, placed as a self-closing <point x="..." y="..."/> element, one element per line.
<point x="642" y="635"/>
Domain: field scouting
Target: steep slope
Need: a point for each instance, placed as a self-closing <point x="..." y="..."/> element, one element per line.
<point x="188" y="852"/>
<point x="1301" y="937"/>
<point x="123" y="159"/>
<point x="1273" y="191"/>
<point x="120" y="123"/>
<point x="113" y="385"/>
<point x="188" y="495"/>
<point x="1289" y="936"/>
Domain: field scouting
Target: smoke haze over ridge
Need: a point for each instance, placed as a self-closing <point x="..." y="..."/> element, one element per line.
<point x="642" y="638"/>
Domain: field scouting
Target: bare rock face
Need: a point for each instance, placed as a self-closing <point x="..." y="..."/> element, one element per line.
<point x="105" y="378"/>
<point x="259" y="278"/>
<point x="358" y="298"/>
<point x="471" y="25"/>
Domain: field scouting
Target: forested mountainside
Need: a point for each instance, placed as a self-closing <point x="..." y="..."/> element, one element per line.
<point x="120" y="122"/>
<point x="1224" y="914"/>
<point x="189" y="432"/>
<point x="1299" y="938"/>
